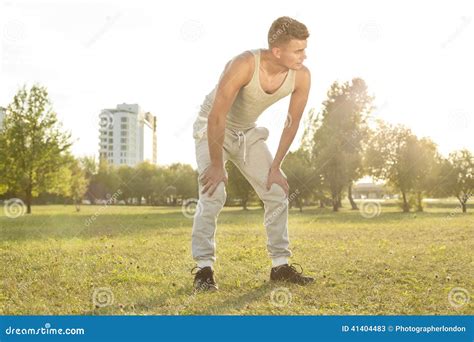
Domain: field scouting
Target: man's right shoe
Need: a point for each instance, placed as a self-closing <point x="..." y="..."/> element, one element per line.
<point x="290" y="274"/>
<point x="204" y="279"/>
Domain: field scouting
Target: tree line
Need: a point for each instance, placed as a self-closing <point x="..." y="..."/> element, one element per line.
<point x="341" y="144"/>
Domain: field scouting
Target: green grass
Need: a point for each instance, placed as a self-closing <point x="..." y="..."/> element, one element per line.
<point x="394" y="263"/>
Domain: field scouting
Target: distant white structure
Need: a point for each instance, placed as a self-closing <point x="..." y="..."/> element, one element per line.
<point x="3" y="112"/>
<point x="370" y="191"/>
<point x="127" y="135"/>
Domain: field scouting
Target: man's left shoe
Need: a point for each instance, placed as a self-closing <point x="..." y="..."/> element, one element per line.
<point x="290" y="274"/>
<point x="204" y="279"/>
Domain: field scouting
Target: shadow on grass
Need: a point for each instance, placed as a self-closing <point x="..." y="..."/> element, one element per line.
<point x="238" y="303"/>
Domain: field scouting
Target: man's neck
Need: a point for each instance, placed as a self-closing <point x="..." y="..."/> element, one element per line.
<point x="270" y="64"/>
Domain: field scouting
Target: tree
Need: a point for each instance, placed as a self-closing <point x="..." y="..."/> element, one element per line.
<point x="184" y="179"/>
<point x="125" y="174"/>
<point x="33" y="145"/>
<point x="425" y="169"/>
<point x="140" y="181"/>
<point x="395" y="154"/>
<point x="302" y="179"/>
<point x="312" y="124"/>
<point x="105" y="183"/>
<point x="158" y="185"/>
<point x="337" y="141"/>
<point x="238" y="187"/>
<point x="456" y="177"/>
<point x="78" y="182"/>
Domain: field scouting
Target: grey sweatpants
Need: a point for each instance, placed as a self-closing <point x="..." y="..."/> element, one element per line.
<point x="249" y="152"/>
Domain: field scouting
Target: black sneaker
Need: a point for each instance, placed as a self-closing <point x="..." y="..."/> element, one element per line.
<point x="290" y="274"/>
<point x="204" y="279"/>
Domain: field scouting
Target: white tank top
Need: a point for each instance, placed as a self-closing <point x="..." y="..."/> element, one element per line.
<point x="249" y="103"/>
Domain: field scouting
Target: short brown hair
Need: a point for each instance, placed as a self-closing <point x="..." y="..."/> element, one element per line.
<point x="284" y="29"/>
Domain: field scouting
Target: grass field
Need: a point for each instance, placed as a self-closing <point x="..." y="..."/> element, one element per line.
<point x="136" y="260"/>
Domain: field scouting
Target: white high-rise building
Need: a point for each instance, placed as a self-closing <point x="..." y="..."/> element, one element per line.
<point x="2" y="116"/>
<point x="127" y="135"/>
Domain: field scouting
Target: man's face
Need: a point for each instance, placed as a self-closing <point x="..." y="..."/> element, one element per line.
<point x="291" y="54"/>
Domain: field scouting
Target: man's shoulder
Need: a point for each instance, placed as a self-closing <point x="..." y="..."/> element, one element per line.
<point x="303" y="72"/>
<point x="302" y="78"/>
<point x="245" y="59"/>
<point x="242" y="64"/>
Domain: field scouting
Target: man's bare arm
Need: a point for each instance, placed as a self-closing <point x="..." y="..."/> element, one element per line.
<point x="237" y="73"/>
<point x="298" y="101"/>
<point x="234" y="77"/>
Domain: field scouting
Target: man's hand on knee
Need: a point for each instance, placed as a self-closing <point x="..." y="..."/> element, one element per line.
<point x="211" y="177"/>
<point x="276" y="176"/>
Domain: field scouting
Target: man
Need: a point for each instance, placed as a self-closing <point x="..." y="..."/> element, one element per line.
<point x="225" y="129"/>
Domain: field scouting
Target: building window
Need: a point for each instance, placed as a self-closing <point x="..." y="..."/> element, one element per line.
<point x="111" y="141"/>
<point x="124" y="126"/>
<point x="124" y="119"/>
<point x="123" y="147"/>
<point x="123" y="132"/>
<point x="111" y="147"/>
<point x="123" y="140"/>
<point x="111" y="133"/>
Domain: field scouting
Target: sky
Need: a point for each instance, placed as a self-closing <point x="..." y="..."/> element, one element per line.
<point x="415" y="57"/>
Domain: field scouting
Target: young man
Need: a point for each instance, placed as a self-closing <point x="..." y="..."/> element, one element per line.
<point x="225" y="129"/>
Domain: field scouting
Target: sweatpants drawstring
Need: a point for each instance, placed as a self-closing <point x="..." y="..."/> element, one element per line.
<point x="239" y="133"/>
<point x="242" y="137"/>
